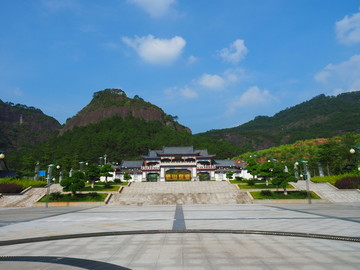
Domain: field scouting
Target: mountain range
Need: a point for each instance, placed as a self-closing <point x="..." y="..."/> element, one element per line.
<point x="321" y="117"/>
<point x="123" y="127"/>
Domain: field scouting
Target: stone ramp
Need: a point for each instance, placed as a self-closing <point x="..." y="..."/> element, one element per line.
<point x="329" y="192"/>
<point x="156" y="193"/>
<point x="27" y="199"/>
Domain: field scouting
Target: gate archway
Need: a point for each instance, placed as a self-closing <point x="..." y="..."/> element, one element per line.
<point x="178" y="175"/>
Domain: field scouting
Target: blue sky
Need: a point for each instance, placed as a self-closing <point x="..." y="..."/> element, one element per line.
<point x="213" y="63"/>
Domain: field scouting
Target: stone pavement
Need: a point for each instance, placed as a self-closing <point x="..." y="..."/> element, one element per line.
<point x="329" y="192"/>
<point x="156" y="193"/>
<point x="133" y="247"/>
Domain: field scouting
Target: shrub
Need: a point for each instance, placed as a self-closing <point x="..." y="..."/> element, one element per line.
<point x="117" y="180"/>
<point x="10" y="188"/>
<point x="266" y="192"/>
<point x="93" y="195"/>
<point x="332" y="179"/>
<point x="54" y="196"/>
<point x="24" y="182"/>
<point x="251" y="182"/>
<point x="348" y="183"/>
<point x="239" y="178"/>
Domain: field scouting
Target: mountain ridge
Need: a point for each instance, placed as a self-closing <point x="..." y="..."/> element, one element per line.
<point x="22" y="125"/>
<point x="114" y="102"/>
<point x="321" y="116"/>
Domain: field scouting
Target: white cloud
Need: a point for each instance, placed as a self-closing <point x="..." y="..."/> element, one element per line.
<point x="156" y="50"/>
<point x="186" y="92"/>
<point x="211" y="81"/>
<point x="192" y="59"/>
<point x="343" y="77"/>
<point x="218" y="82"/>
<point x="348" y="29"/>
<point x="155" y="8"/>
<point x="253" y="96"/>
<point x="235" y="53"/>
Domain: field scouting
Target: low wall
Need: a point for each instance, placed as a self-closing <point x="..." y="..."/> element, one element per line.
<point x="68" y="204"/>
<point x="289" y="201"/>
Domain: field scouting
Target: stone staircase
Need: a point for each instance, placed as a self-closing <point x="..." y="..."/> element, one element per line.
<point x="27" y="199"/>
<point x="330" y="193"/>
<point x="155" y="193"/>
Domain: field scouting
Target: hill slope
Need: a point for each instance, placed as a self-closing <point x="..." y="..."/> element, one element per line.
<point x="114" y="102"/>
<point x="121" y="128"/>
<point x="322" y="116"/>
<point x="21" y="125"/>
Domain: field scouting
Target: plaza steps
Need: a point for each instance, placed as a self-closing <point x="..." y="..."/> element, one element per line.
<point x="159" y="193"/>
<point x="330" y="193"/>
<point x="27" y="199"/>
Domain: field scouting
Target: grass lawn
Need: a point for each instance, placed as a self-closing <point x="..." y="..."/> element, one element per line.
<point x="100" y="188"/>
<point x="111" y="183"/>
<point x="299" y="194"/>
<point x="24" y="182"/>
<point x="331" y="179"/>
<point x="261" y="186"/>
<point x="78" y="198"/>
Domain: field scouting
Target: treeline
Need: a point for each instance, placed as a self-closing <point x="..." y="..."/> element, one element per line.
<point x="22" y="106"/>
<point x="322" y="116"/>
<point x="331" y="155"/>
<point x="118" y="138"/>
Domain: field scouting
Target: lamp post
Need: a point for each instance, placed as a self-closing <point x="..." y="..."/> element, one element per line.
<point x="306" y="177"/>
<point x="254" y="157"/>
<point x="2" y="161"/>
<point x="82" y="163"/>
<point x="100" y="161"/>
<point x="353" y="151"/>
<point x="37" y="169"/>
<point x="49" y="178"/>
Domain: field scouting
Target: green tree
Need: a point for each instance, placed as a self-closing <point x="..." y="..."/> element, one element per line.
<point x="74" y="183"/>
<point x="252" y="167"/>
<point x="266" y="171"/>
<point x="281" y="179"/>
<point x="105" y="171"/>
<point x="127" y="176"/>
<point x="93" y="174"/>
<point x="229" y="175"/>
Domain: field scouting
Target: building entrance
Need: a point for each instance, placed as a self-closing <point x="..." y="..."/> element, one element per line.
<point x="178" y="175"/>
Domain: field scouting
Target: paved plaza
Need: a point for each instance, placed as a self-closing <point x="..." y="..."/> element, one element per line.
<point x="182" y="237"/>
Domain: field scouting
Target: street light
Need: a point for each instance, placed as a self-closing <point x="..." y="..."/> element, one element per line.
<point x="49" y="178"/>
<point x="306" y="177"/>
<point x="353" y="150"/>
<point x="100" y="160"/>
<point x="82" y="163"/>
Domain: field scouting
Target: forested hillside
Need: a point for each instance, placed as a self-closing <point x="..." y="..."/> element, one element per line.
<point x="331" y="154"/>
<point x="320" y="117"/>
<point x="21" y="126"/>
<point x="115" y="102"/>
<point x="118" y="138"/>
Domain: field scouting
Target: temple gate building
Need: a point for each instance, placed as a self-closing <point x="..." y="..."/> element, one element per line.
<point x="180" y="163"/>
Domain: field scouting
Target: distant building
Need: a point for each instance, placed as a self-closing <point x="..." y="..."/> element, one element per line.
<point x="180" y="163"/>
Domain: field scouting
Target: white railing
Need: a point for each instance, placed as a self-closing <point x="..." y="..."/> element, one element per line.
<point x="150" y="168"/>
<point x="178" y="163"/>
<point x="206" y="167"/>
